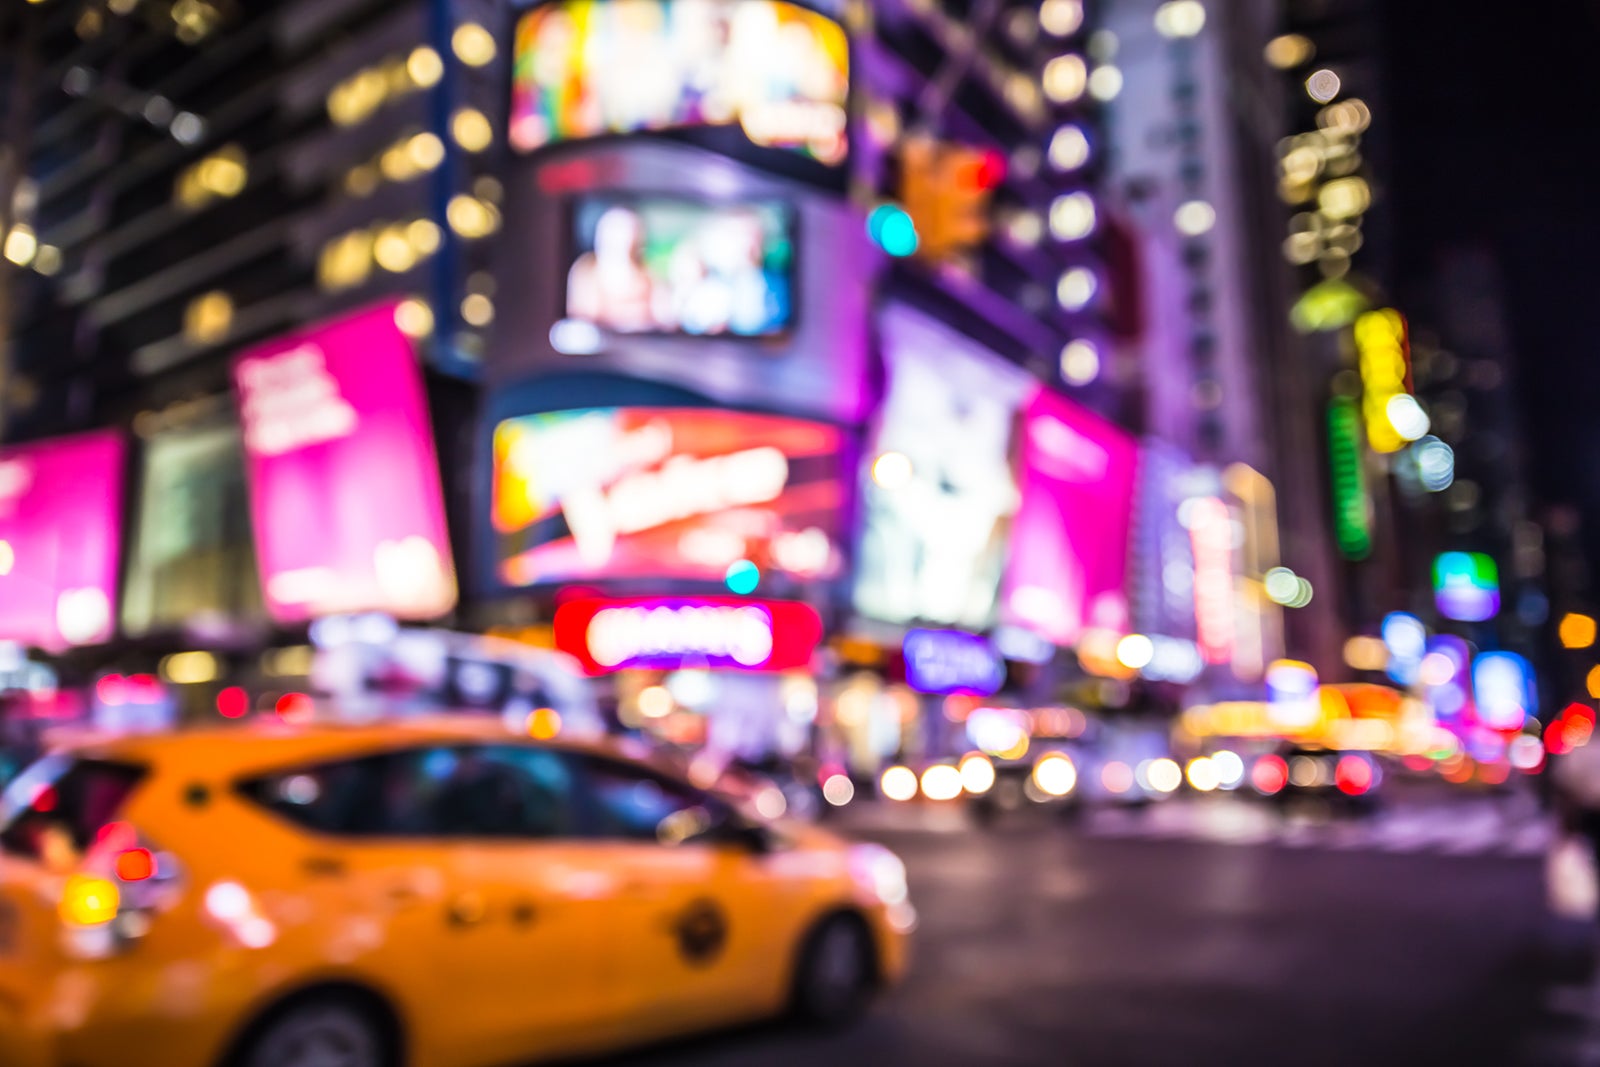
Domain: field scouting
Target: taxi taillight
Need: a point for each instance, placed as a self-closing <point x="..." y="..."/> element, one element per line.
<point x="136" y="865"/>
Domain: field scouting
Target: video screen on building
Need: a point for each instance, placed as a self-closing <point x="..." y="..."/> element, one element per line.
<point x="583" y="68"/>
<point x="691" y="493"/>
<point x="670" y="266"/>
<point x="938" y="490"/>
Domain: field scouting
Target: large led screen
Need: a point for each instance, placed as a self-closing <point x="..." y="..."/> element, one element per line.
<point x="582" y="68"/>
<point x="681" y="266"/>
<point x="344" y="483"/>
<point x="1069" y="541"/>
<point x="60" y="528"/>
<point x="664" y="493"/>
<point x="939" y="493"/>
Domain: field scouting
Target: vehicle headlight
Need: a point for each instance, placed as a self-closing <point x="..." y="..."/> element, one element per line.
<point x="879" y="873"/>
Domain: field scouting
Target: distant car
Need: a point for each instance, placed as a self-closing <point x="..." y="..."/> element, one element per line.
<point x="1045" y="779"/>
<point x="1341" y="781"/>
<point x="433" y="893"/>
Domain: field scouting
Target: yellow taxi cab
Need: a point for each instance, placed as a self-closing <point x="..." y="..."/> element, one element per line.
<point x="431" y="893"/>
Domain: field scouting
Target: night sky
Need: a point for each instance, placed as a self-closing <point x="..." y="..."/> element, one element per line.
<point x="1496" y="140"/>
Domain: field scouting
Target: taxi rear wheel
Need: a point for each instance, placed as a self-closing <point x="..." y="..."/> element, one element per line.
<point x="834" y="980"/>
<point x="337" y="1032"/>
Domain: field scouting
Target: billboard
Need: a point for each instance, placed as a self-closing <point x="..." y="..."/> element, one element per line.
<point x="344" y="484"/>
<point x="60" y="531"/>
<point x="664" y="492"/>
<point x="1069" y="540"/>
<point x="659" y="265"/>
<point x="582" y="68"/>
<point x="938" y="489"/>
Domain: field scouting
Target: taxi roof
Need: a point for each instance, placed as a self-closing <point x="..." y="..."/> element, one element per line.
<point x="233" y="749"/>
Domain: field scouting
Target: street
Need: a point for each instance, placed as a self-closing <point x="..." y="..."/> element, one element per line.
<point x="1044" y="944"/>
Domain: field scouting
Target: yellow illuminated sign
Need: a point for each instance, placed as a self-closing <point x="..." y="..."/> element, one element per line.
<point x="1385" y="362"/>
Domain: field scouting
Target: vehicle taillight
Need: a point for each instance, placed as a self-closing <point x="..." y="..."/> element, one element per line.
<point x="123" y="884"/>
<point x="136" y="865"/>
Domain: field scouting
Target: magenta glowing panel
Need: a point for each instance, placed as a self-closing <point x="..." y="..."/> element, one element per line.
<point x="344" y="483"/>
<point x="1069" y="540"/>
<point x="60" y="528"/>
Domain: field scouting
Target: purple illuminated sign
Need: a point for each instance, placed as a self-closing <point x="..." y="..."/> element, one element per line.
<point x="950" y="661"/>
<point x="344" y="485"/>
<point x="60" y="526"/>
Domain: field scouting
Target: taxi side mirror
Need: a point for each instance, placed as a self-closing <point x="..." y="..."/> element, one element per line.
<point x="730" y="829"/>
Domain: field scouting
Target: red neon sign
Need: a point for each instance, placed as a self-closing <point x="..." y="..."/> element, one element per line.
<point x="665" y="633"/>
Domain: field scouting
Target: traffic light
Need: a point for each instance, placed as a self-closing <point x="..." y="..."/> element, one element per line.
<point x="946" y="189"/>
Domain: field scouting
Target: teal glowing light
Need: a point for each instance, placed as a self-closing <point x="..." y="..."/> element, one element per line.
<point x="892" y="230"/>
<point x="743" y="577"/>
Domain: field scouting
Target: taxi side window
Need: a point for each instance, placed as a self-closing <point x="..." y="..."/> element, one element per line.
<point x="459" y="791"/>
<point x="506" y="791"/>
<point x="637" y="805"/>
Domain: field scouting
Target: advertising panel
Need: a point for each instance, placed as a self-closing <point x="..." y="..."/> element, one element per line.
<point x="664" y="492"/>
<point x="731" y="633"/>
<point x="60" y="529"/>
<point x="344" y="483"/>
<point x="1069" y="541"/>
<point x="582" y="68"/>
<point x="658" y="265"/>
<point x="939" y="492"/>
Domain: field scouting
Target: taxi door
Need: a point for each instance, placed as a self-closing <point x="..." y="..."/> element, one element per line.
<point x="705" y="929"/>
<point x="527" y="922"/>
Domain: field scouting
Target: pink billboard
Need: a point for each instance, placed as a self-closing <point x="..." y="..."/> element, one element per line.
<point x="344" y="483"/>
<point x="1069" y="541"/>
<point x="60" y="528"/>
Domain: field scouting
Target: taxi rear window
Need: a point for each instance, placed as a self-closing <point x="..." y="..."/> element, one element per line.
<point x="64" y="795"/>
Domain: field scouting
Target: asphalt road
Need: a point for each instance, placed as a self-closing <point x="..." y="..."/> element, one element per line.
<point x="1043" y="944"/>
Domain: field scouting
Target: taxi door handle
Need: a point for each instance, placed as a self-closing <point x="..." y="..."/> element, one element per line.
<point x="466" y="910"/>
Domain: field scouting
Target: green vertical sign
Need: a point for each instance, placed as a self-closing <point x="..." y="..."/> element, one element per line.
<point x="1352" y="510"/>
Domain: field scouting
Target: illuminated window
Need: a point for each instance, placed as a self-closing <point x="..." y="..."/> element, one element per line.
<point x="1180" y="18"/>
<point x="425" y="67"/>
<point x="21" y="245"/>
<point x="426" y="151"/>
<point x="424" y="236"/>
<point x="414" y="317"/>
<point x="471" y="217"/>
<point x="1065" y="78"/>
<point x="221" y="174"/>
<point x="208" y="317"/>
<point x="1289" y="50"/>
<point x="392" y="249"/>
<point x="345" y="261"/>
<point x="471" y="129"/>
<point x="477" y="310"/>
<point x="473" y="44"/>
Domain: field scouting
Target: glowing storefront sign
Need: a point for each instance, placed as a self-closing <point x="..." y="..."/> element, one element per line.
<point x="1211" y="532"/>
<point x="344" y="484"/>
<point x="664" y="492"/>
<point x="582" y="68"/>
<point x="949" y="661"/>
<point x="672" y="633"/>
<point x="1069" y="541"/>
<point x="60" y="529"/>
<point x="1466" y="586"/>
<point x="1384" y="348"/>
<point x="1503" y="685"/>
